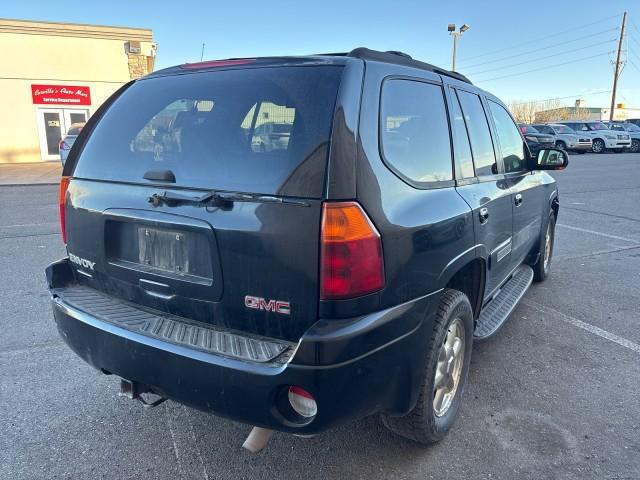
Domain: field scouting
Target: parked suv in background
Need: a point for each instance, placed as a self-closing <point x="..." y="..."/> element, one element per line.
<point x="565" y="137"/>
<point x="301" y="288"/>
<point x="632" y="130"/>
<point x="536" y="139"/>
<point x="601" y="136"/>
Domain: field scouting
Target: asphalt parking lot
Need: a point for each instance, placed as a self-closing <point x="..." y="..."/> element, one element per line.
<point x="556" y="394"/>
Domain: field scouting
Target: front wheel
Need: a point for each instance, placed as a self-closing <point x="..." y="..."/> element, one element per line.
<point x="542" y="267"/>
<point x="446" y="372"/>
<point x="561" y="145"/>
<point x="635" y="146"/>
<point x="598" y="146"/>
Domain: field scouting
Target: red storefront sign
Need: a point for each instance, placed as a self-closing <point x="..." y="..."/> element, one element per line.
<point x="60" y="95"/>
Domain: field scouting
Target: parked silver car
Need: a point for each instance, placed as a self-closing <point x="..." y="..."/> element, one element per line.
<point x="633" y="131"/>
<point x="67" y="141"/>
<point x="601" y="136"/>
<point x="566" y="138"/>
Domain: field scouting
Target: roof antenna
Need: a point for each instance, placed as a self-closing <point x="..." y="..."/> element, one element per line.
<point x="202" y="52"/>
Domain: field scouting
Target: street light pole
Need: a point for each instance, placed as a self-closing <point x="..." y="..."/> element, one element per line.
<point x="452" y="31"/>
<point x="455" y="50"/>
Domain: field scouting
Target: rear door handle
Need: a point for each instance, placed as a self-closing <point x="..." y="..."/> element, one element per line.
<point x="483" y="215"/>
<point x="518" y="199"/>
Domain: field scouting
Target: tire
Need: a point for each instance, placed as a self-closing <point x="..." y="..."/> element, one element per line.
<point x="598" y="146"/>
<point x="561" y="145"/>
<point x="635" y="146"/>
<point x="424" y="424"/>
<point x="542" y="268"/>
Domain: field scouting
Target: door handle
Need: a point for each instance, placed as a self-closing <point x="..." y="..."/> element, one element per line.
<point x="518" y="199"/>
<point x="483" y="215"/>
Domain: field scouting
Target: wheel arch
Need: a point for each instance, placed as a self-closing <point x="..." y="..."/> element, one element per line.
<point x="467" y="273"/>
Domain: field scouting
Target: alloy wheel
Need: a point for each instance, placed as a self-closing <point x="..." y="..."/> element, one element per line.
<point x="449" y="368"/>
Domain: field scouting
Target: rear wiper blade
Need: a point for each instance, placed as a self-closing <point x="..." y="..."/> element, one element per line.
<point x="222" y="200"/>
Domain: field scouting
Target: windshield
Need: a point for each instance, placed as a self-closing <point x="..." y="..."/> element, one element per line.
<point x="211" y="130"/>
<point x="630" y="127"/>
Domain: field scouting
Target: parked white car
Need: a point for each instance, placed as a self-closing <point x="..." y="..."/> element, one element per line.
<point x="601" y="136"/>
<point x="633" y="131"/>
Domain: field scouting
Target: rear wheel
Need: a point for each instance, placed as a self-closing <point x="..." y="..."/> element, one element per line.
<point x="542" y="267"/>
<point x="446" y="371"/>
<point x="598" y="146"/>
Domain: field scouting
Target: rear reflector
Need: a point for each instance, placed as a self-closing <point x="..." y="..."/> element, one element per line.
<point x="302" y="402"/>
<point x="64" y="185"/>
<point x="351" y="260"/>
<point x="218" y="63"/>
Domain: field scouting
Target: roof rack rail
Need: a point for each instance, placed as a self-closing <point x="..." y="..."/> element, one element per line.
<point x="401" y="58"/>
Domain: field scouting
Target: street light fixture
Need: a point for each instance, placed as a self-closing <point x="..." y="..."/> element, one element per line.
<point x="451" y="28"/>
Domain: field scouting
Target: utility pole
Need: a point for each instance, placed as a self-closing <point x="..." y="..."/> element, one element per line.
<point x="617" y="67"/>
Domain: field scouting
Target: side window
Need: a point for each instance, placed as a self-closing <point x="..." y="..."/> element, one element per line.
<point x="479" y="134"/>
<point x="414" y="131"/>
<point x="511" y="143"/>
<point x="462" y="149"/>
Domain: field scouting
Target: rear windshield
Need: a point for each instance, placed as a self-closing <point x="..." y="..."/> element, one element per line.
<point x="259" y="130"/>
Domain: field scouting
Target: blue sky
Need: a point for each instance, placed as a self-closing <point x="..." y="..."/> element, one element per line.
<point x="563" y="45"/>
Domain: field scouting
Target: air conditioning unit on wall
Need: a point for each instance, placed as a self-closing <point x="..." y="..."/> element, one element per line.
<point x="134" y="47"/>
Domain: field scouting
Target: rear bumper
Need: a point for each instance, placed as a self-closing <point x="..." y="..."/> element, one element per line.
<point x="353" y="367"/>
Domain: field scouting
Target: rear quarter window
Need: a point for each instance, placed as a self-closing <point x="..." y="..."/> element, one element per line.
<point x="260" y="130"/>
<point x="414" y="131"/>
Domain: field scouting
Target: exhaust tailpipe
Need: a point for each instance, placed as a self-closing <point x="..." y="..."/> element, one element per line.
<point x="257" y="439"/>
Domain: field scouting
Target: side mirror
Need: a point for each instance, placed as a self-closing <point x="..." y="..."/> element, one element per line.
<point x="551" y="159"/>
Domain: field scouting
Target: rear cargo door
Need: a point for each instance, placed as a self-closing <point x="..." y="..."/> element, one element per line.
<point x="200" y="195"/>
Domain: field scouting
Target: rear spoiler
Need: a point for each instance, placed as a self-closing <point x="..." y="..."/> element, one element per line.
<point x="78" y="145"/>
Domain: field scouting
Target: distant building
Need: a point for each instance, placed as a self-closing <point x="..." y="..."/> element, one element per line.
<point x="55" y="74"/>
<point x="580" y="112"/>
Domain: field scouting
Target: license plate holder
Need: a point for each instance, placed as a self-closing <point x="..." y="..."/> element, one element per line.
<point x="163" y="250"/>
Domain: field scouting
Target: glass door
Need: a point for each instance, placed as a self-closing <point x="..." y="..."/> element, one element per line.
<point x="50" y="131"/>
<point x="53" y="124"/>
<point x="74" y="116"/>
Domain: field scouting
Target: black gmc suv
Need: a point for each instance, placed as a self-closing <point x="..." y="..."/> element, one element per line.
<point x="340" y="269"/>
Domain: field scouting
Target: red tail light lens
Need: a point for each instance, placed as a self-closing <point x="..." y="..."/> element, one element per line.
<point x="64" y="185"/>
<point x="351" y="260"/>
<point x="62" y="145"/>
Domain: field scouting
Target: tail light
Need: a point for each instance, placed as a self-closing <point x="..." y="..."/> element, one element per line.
<point x="351" y="261"/>
<point x="64" y="185"/>
<point x="62" y="145"/>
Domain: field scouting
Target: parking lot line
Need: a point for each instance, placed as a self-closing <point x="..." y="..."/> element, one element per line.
<point x="594" y="232"/>
<point x="583" y="325"/>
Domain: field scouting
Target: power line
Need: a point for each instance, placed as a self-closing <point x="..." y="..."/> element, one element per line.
<point x="546" y="47"/>
<point x="547" y="67"/>
<point x="562" y="98"/>
<point x="541" y="58"/>
<point x="547" y="36"/>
